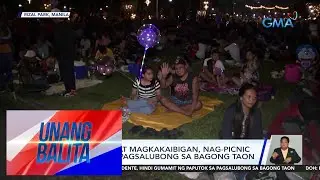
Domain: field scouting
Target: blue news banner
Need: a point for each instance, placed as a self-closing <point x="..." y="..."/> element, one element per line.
<point x="222" y="168"/>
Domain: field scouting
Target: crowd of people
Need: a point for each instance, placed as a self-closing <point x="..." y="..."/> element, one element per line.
<point x="34" y="46"/>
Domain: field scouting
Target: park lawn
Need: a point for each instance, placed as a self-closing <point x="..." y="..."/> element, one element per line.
<point x="114" y="87"/>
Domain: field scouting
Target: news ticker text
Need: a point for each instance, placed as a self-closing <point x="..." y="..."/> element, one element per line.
<point x="225" y="168"/>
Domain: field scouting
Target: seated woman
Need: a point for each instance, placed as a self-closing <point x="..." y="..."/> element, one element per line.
<point x="30" y="66"/>
<point x="145" y="94"/>
<point x="103" y="40"/>
<point x="103" y="52"/>
<point x="242" y="120"/>
<point x="213" y="70"/>
<point x="184" y="88"/>
<point x="249" y="72"/>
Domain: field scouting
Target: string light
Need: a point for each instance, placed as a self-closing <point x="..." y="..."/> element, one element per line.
<point x="201" y="13"/>
<point x="314" y="10"/>
<point x="269" y="8"/>
<point x="128" y="6"/>
<point x="206" y="6"/>
<point x="47" y="6"/>
<point x="148" y="2"/>
<point x="133" y="16"/>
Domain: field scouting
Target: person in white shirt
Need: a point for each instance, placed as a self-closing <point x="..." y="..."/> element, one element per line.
<point x="43" y="48"/>
<point x="85" y="45"/>
<point x="201" y="53"/>
<point x="213" y="70"/>
<point x="234" y="51"/>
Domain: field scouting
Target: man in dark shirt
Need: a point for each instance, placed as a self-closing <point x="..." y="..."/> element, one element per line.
<point x="284" y="156"/>
<point x="184" y="89"/>
<point x="64" y="45"/>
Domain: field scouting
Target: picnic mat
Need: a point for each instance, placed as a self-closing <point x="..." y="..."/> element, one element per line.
<point x="80" y="84"/>
<point x="161" y="118"/>
<point x="229" y="89"/>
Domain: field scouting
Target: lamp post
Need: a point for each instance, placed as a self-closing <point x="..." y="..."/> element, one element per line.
<point x="157" y="9"/>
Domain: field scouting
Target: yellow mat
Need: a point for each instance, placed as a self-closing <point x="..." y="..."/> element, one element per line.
<point x="161" y="118"/>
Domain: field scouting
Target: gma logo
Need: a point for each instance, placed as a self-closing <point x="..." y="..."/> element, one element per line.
<point x="277" y="23"/>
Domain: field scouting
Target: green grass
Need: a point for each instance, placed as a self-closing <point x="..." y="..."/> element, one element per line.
<point x="112" y="88"/>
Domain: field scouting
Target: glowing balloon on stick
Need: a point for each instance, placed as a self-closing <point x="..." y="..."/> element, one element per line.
<point x="148" y="36"/>
<point x="105" y="67"/>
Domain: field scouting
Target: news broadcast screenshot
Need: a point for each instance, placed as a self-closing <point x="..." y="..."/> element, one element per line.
<point x="160" y="89"/>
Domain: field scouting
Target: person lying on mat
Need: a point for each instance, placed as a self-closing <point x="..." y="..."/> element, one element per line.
<point x="249" y="72"/>
<point x="184" y="88"/>
<point x="213" y="70"/>
<point x="145" y="95"/>
<point x="242" y="120"/>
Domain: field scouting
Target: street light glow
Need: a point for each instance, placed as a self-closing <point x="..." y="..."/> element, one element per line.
<point x="206" y="5"/>
<point x="148" y="2"/>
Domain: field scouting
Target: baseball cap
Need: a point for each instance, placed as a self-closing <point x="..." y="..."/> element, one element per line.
<point x="30" y="54"/>
<point x="180" y="60"/>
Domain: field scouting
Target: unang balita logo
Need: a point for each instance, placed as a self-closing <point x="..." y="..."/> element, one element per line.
<point x="280" y="22"/>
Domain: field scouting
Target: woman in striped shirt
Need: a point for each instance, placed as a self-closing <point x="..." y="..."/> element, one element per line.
<point x="144" y="97"/>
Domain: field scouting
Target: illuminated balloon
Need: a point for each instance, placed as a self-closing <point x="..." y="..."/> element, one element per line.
<point x="105" y="70"/>
<point x="107" y="61"/>
<point x="108" y="71"/>
<point x="148" y="36"/>
<point x="105" y="67"/>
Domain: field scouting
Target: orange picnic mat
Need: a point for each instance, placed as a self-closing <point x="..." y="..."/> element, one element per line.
<point x="161" y="118"/>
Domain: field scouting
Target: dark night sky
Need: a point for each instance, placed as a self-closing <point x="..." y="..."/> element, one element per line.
<point x="179" y="5"/>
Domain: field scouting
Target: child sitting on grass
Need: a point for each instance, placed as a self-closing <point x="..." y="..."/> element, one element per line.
<point x="103" y="52"/>
<point x="213" y="70"/>
<point x="144" y="96"/>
